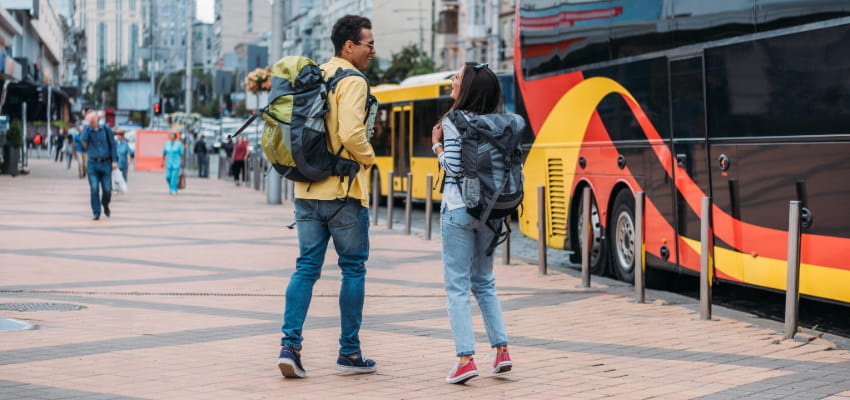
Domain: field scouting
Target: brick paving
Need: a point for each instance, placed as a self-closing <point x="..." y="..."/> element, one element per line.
<point x="183" y="298"/>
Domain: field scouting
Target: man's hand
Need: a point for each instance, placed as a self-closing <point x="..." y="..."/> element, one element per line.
<point x="114" y="165"/>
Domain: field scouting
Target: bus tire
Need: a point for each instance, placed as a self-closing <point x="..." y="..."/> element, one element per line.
<point x="599" y="247"/>
<point x="622" y="235"/>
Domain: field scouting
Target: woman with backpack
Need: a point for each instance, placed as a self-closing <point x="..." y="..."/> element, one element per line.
<point x="466" y="265"/>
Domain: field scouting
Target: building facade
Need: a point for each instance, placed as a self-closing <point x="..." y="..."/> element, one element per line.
<point x="240" y="22"/>
<point x="114" y="33"/>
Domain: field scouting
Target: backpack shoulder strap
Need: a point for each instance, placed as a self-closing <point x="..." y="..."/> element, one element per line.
<point x="345" y="73"/>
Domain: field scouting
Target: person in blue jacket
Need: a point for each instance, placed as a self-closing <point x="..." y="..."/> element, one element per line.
<point x="124" y="152"/>
<point x="172" y="160"/>
<point x="99" y="144"/>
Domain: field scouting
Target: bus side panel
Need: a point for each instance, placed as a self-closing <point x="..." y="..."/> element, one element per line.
<point x="779" y="117"/>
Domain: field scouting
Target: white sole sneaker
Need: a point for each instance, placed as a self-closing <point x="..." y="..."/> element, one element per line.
<point x="289" y="369"/>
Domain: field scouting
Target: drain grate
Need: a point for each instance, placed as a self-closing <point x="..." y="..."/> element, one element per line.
<point x="39" y="307"/>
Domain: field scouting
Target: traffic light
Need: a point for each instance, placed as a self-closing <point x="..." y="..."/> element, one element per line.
<point x="157" y="109"/>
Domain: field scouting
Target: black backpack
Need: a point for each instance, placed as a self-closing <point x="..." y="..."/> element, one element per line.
<point x="491" y="159"/>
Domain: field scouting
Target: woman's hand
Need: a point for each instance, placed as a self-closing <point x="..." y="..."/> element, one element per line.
<point x="437" y="133"/>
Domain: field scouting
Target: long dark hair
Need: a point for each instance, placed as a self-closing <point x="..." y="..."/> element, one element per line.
<point x="480" y="91"/>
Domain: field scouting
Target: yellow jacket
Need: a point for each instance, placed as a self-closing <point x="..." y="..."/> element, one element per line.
<point x="346" y="127"/>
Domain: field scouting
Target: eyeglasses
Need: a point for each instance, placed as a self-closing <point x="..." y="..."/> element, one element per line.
<point x="480" y="66"/>
<point x="370" y="44"/>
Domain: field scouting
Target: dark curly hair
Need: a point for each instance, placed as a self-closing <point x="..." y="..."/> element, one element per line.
<point x="348" y="28"/>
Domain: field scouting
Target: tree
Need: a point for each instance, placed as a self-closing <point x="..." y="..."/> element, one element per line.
<point x="106" y="83"/>
<point x="408" y="62"/>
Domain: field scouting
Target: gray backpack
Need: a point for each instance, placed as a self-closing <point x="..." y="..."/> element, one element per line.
<point x="491" y="158"/>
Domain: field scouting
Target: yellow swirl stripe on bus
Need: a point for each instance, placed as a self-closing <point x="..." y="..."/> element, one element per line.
<point x="815" y="280"/>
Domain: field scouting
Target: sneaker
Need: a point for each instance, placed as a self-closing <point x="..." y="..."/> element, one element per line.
<point x="357" y="365"/>
<point x="462" y="373"/>
<point x="289" y="363"/>
<point x="106" y="211"/>
<point x="503" y="363"/>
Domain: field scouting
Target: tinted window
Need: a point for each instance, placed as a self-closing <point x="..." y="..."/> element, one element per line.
<point x="776" y="14"/>
<point x="647" y="82"/>
<point x="560" y="36"/>
<point x="381" y="137"/>
<point x="796" y="84"/>
<point x="687" y="98"/>
<point x="702" y="21"/>
<point x="426" y="113"/>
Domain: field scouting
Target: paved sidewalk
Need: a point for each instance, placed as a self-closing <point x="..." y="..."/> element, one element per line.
<point x="183" y="298"/>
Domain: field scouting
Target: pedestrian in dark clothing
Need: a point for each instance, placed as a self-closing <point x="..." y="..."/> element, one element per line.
<point x="203" y="157"/>
<point x="99" y="143"/>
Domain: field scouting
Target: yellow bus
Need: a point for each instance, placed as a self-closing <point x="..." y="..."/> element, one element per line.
<point x="402" y="133"/>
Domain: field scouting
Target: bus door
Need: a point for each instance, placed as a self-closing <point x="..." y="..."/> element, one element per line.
<point x="402" y="122"/>
<point x="690" y="154"/>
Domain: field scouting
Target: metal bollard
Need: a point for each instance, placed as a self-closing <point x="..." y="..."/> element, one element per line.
<point x="506" y="249"/>
<point x="376" y="195"/>
<point x="640" y="249"/>
<point x="429" y="181"/>
<point x="390" y="200"/>
<point x="541" y="229"/>
<point x="706" y="263"/>
<point x="792" y="285"/>
<point x="257" y="173"/>
<point x="408" y="203"/>
<point x="587" y="238"/>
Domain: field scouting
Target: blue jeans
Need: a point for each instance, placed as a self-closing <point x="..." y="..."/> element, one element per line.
<point x="349" y="229"/>
<point x="172" y="176"/>
<point x="124" y="169"/>
<point x="100" y="176"/>
<point x="467" y="267"/>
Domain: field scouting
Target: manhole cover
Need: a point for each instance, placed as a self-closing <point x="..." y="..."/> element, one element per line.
<point x="39" y="307"/>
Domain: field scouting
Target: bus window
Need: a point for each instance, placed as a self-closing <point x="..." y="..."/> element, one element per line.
<point x="780" y="86"/>
<point x="381" y="138"/>
<point x="425" y="115"/>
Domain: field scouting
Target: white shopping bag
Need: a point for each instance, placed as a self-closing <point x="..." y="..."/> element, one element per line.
<point x="118" y="182"/>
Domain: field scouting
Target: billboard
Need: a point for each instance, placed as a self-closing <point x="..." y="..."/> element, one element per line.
<point x="134" y="95"/>
<point x="149" y="145"/>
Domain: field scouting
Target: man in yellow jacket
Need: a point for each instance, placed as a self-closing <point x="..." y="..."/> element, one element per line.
<point x="316" y="214"/>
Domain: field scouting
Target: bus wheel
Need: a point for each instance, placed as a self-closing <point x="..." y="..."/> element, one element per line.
<point x="598" y="251"/>
<point x="622" y="234"/>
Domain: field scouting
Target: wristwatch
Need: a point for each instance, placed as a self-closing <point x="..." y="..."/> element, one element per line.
<point x="434" y="147"/>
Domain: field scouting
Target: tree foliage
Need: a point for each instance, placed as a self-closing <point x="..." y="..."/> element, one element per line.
<point x="106" y="83"/>
<point x="408" y="62"/>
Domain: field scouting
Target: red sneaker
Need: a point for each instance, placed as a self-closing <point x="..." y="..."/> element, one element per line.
<point x="462" y="373"/>
<point x="502" y="363"/>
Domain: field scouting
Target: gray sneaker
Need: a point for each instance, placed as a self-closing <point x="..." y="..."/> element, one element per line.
<point x="357" y="365"/>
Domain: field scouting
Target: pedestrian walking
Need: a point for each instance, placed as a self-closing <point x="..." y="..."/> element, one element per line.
<point x="172" y="160"/>
<point x="80" y="152"/>
<point x="36" y="143"/>
<point x="123" y="151"/>
<point x="466" y="265"/>
<point x="322" y="211"/>
<point x="99" y="143"/>
<point x="201" y="154"/>
<point x="240" y="153"/>
<point x="68" y="146"/>
<point x="57" y="142"/>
